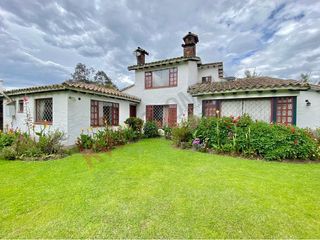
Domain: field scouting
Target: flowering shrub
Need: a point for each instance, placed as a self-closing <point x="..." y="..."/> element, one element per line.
<point x="106" y="139"/>
<point x="241" y="135"/>
<point x="23" y="146"/>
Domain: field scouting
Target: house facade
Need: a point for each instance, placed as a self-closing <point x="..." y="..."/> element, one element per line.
<point x="177" y="88"/>
<point x="165" y="91"/>
<point x="68" y="107"/>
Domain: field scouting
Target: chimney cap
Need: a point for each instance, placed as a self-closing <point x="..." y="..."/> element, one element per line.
<point x="193" y="35"/>
<point x="141" y="50"/>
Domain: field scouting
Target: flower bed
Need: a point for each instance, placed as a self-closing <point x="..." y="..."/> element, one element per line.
<point x="243" y="136"/>
<point x="42" y="145"/>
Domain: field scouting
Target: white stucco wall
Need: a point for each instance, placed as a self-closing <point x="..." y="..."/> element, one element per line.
<point x="308" y="116"/>
<point x="60" y="113"/>
<point x="71" y="113"/>
<point x="187" y="75"/>
<point x="211" y="71"/>
<point x="79" y="113"/>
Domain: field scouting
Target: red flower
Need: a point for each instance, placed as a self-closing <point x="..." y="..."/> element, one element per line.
<point x="295" y="142"/>
<point x="293" y="130"/>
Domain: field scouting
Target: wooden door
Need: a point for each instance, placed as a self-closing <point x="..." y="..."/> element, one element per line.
<point x="133" y="111"/>
<point x="172" y="118"/>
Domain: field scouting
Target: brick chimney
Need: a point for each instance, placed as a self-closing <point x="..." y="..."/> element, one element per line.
<point x="189" y="46"/>
<point x="140" y="54"/>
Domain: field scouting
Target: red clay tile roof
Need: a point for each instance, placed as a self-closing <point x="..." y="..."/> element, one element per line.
<point x="246" y="84"/>
<point x="163" y="62"/>
<point x="78" y="86"/>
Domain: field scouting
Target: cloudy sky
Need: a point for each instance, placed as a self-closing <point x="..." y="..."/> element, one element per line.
<point x="41" y="40"/>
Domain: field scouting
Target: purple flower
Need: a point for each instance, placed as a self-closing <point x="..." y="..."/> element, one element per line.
<point x="196" y="141"/>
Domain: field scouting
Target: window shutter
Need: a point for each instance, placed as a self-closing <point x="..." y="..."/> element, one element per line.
<point x="115" y="114"/>
<point x="149" y="113"/>
<point x="172" y="118"/>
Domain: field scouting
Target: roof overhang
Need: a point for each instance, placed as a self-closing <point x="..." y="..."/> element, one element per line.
<point x="248" y="91"/>
<point x="64" y="87"/>
<point x="163" y="63"/>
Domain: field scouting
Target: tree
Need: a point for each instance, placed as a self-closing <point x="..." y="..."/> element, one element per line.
<point x="82" y="73"/>
<point x="102" y="78"/>
<point x="305" y="77"/>
<point x="249" y="74"/>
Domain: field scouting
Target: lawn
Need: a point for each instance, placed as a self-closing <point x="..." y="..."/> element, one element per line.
<point x="151" y="190"/>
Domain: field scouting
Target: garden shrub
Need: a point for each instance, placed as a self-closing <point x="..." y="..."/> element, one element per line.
<point x="150" y="129"/>
<point x="182" y="135"/>
<point x="8" y="138"/>
<point x="105" y="139"/>
<point x="24" y="147"/>
<point x="244" y="136"/>
<point x="9" y="153"/>
<point x="135" y="124"/>
<point x="167" y="132"/>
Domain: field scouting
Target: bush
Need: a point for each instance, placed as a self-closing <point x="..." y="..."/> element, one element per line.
<point x="268" y="141"/>
<point x="50" y="143"/>
<point x="26" y="147"/>
<point x="9" y="153"/>
<point x="106" y="139"/>
<point x="8" y="138"/>
<point x="182" y="134"/>
<point x="135" y="124"/>
<point x="167" y="132"/>
<point x="85" y="141"/>
<point x="150" y="129"/>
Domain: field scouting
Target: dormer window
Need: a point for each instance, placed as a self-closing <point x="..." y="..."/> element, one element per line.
<point x="161" y="78"/>
<point x="206" y="79"/>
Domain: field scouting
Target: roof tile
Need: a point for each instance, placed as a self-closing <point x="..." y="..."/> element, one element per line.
<point x="246" y="84"/>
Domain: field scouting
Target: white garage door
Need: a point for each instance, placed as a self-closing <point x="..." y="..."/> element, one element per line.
<point x="258" y="109"/>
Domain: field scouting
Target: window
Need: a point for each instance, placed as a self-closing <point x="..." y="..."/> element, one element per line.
<point x="148" y="79"/>
<point x="173" y="77"/>
<point x="104" y="113"/>
<point x="190" y="110"/>
<point x="206" y="79"/>
<point x="161" y="78"/>
<point x="163" y="115"/>
<point x="284" y="110"/>
<point x="210" y="108"/>
<point x="44" y="110"/>
<point x="20" y="106"/>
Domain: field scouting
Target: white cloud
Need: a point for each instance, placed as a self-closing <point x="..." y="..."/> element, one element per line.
<point x="42" y="41"/>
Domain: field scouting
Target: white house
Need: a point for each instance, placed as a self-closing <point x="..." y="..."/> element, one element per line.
<point x="173" y="89"/>
<point x="168" y="91"/>
<point x="69" y="107"/>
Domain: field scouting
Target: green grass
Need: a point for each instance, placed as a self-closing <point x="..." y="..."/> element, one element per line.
<point x="151" y="190"/>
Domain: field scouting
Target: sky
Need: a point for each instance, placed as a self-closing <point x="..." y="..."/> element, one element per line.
<point x="41" y="41"/>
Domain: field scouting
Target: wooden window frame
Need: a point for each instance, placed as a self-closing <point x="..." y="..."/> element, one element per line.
<point x="216" y="106"/>
<point x="95" y="113"/>
<point x="40" y="121"/>
<point x="20" y="106"/>
<point x="173" y="79"/>
<point x="172" y="119"/>
<point x="284" y="103"/>
<point x="148" y="80"/>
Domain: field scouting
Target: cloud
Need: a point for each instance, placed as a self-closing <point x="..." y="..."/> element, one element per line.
<point x="44" y="40"/>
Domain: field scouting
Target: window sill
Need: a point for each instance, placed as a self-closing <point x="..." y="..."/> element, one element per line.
<point x="160" y="87"/>
<point x="103" y="126"/>
<point x="42" y="123"/>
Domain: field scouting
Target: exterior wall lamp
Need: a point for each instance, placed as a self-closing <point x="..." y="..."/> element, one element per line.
<point x="308" y="103"/>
